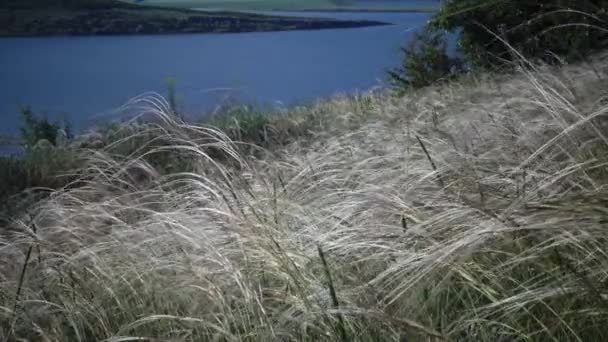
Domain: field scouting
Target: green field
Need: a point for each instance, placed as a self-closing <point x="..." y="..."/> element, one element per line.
<point x="274" y="5"/>
<point x="247" y="4"/>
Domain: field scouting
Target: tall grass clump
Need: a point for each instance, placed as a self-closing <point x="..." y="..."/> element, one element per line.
<point x="468" y="211"/>
<point x="42" y="162"/>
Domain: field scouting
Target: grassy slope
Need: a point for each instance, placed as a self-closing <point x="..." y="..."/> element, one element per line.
<point x="248" y="4"/>
<point x="474" y="211"/>
<point x="278" y="5"/>
<point x="71" y="4"/>
<point x="75" y="17"/>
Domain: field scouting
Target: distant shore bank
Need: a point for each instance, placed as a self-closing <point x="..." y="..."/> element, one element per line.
<point x="146" y="20"/>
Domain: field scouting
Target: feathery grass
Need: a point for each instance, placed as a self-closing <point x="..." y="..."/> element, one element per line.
<point x="509" y="245"/>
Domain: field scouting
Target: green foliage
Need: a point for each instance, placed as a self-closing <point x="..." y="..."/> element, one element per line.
<point x="424" y="62"/>
<point x="41" y="167"/>
<point x="35" y="129"/>
<point x="538" y="29"/>
<point x="244" y="123"/>
<point x="494" y="32"/>
<point x="170" y="82"/>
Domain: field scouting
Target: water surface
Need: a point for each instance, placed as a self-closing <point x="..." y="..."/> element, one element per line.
<point x="86" y="78"/>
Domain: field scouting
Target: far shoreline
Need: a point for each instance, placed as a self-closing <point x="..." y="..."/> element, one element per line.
<point x="154" y="21"/>
<point x="365" y="10"/>
<point x="328" y="10"/>
<point x="180" y="33"/>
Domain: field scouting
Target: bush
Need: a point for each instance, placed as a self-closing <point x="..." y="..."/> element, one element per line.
<point x="244" y="124"/>
<point x="43" y="166"/>
<point x="538" y="29"/>
<point x="35" y="129"/>
<point x="425" y="61"/>
<point x="40" y="169"/>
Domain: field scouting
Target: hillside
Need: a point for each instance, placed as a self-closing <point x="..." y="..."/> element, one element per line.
<point x="74" y="17"/>
<point x="65" y="4"/>
<point x="470" y="211"/>
<point x="282" y="5"/>
<point x="245" y="4"/>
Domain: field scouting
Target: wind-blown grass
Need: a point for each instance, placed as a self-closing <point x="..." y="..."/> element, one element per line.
<point x="473" y="211"/>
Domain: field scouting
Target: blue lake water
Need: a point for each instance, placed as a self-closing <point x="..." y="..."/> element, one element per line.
<point x="87" y="78"/>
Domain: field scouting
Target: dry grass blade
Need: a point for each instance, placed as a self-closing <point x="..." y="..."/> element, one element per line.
<point x="430" y="159"/>
<point x="334" y="296"/>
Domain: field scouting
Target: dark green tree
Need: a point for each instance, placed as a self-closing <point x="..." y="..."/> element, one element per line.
<point x="547" y="30"/>
<point x="425" y="61"/>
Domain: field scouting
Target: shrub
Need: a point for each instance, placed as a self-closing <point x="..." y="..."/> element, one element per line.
<point x="35" y="129"/>
<point x="40" y="169"/>
<point x="43" y="166"/>
<point x="425" y="61"/>
<point x="538" y="29"/>
<point x="245" y="124"/>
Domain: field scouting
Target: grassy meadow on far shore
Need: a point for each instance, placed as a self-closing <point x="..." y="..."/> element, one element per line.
<point x="282" y="5"/>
